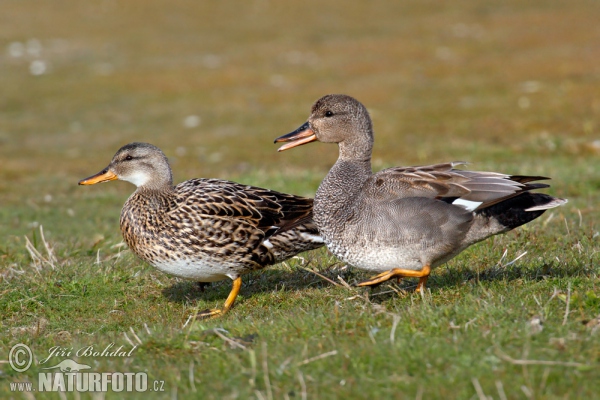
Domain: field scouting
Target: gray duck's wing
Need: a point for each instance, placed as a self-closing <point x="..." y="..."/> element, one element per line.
<point x="471" y="190"/>
<point x="263" y="209"/>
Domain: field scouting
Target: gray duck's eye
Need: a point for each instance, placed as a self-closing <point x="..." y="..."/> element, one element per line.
<point x="128" y="158"/>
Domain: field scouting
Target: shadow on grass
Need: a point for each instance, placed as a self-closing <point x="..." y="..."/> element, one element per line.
<point x="443" y="278"/>
<point x="456" y="277"/>
<point x="451" y="277"/>
<point x="255" y="282"/>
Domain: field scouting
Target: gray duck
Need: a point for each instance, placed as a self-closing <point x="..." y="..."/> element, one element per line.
<point x="404" y="221"/>
<point x="205" y="229"/>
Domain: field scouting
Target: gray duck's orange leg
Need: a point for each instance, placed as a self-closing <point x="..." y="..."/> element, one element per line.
<point x="399" y="273"/>
<point x="212" y="313"/>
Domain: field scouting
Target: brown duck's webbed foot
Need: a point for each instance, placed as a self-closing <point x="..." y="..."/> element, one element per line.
<point x="400" y="273"/>
<point x="213" y="313"/>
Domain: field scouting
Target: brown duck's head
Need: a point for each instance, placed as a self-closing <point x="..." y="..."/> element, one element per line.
<point x="142" y="164"/>
<point x="334" y="118"/>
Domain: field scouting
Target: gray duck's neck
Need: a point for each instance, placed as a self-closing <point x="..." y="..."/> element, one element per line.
<point x="339" y="189"/>
<point x="357" y="148"/>
<point x="347" y="176"/>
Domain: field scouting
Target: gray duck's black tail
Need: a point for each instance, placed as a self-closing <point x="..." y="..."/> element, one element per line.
<point x="520" y="209"/>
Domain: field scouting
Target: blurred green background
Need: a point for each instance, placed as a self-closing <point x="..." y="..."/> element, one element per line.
<point x="503" y="84"/>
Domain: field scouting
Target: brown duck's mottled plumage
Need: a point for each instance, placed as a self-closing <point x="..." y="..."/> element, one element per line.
<point x="206" y="229"/>
<point x="224" y="220"/>
<point x="403" y="221"/>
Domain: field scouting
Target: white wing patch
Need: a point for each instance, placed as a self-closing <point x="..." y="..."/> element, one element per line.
<point x="268" y="244"/>
<point x="547" y="206"/>
<point x="311" y="238"/>
<point x="467" y="204"/>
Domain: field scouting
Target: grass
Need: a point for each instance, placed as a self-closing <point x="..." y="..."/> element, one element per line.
<point x="507" y="86"/>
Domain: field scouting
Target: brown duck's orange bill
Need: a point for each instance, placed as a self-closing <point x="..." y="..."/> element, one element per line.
<point x="299" y="137"/>
<point x="102" y="176"/>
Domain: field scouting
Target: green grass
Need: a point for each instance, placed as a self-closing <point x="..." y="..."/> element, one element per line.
<point x="507" y="86"/>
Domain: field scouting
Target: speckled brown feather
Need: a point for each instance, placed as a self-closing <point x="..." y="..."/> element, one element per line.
<point x="225" y="220"/>
<point x="205" y="229"/>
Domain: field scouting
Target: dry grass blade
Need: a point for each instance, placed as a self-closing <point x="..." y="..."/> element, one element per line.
<point x="516" y="259"/>
<point x="51" y="258"/>
<point x="191" y="376"/>
<point x="511" y="360"/>
<point x="500" y="389"/>
<point x="35" y="255"/>
<point x="345" y="284"/>
<point x="396" y="320"/>
<point x="129" y="340"/>
<point x="478" y="388"/>
<point x="265" y="364"/>
<point x="38" y="259"/>
<point x="231" y="342"/>
<point x="304" y="395"/>
<point x="315" y="358"/>
<point x="321" y="276"/>
<point x="136" y="337"/>
<point x="568" y="301"/>
<point x="500" y="263"/>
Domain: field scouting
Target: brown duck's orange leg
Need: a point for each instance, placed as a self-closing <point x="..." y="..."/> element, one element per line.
<point x="423" y="274"/>
<point x="212" y="313"/>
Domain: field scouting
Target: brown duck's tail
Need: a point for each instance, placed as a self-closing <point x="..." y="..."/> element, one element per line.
<point x="510" y="213"/>
<point x="290" y="242"/>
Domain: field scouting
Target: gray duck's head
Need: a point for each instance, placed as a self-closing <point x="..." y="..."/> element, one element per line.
<point x="335" y="118"/>
<point x="142" y="164"/>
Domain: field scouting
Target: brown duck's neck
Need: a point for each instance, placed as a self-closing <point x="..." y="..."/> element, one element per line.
<point x="153" y="197"/>
<point x="157" y="186"/>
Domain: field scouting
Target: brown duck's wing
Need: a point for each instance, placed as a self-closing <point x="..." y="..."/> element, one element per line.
<point x="264" y="209"/>
<point x="469" y="189"/>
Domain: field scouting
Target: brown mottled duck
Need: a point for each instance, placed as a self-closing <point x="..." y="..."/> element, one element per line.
<point x="205" y="229"/>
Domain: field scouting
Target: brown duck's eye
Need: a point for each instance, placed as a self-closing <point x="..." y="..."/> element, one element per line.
<point x="329" y="113"/>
